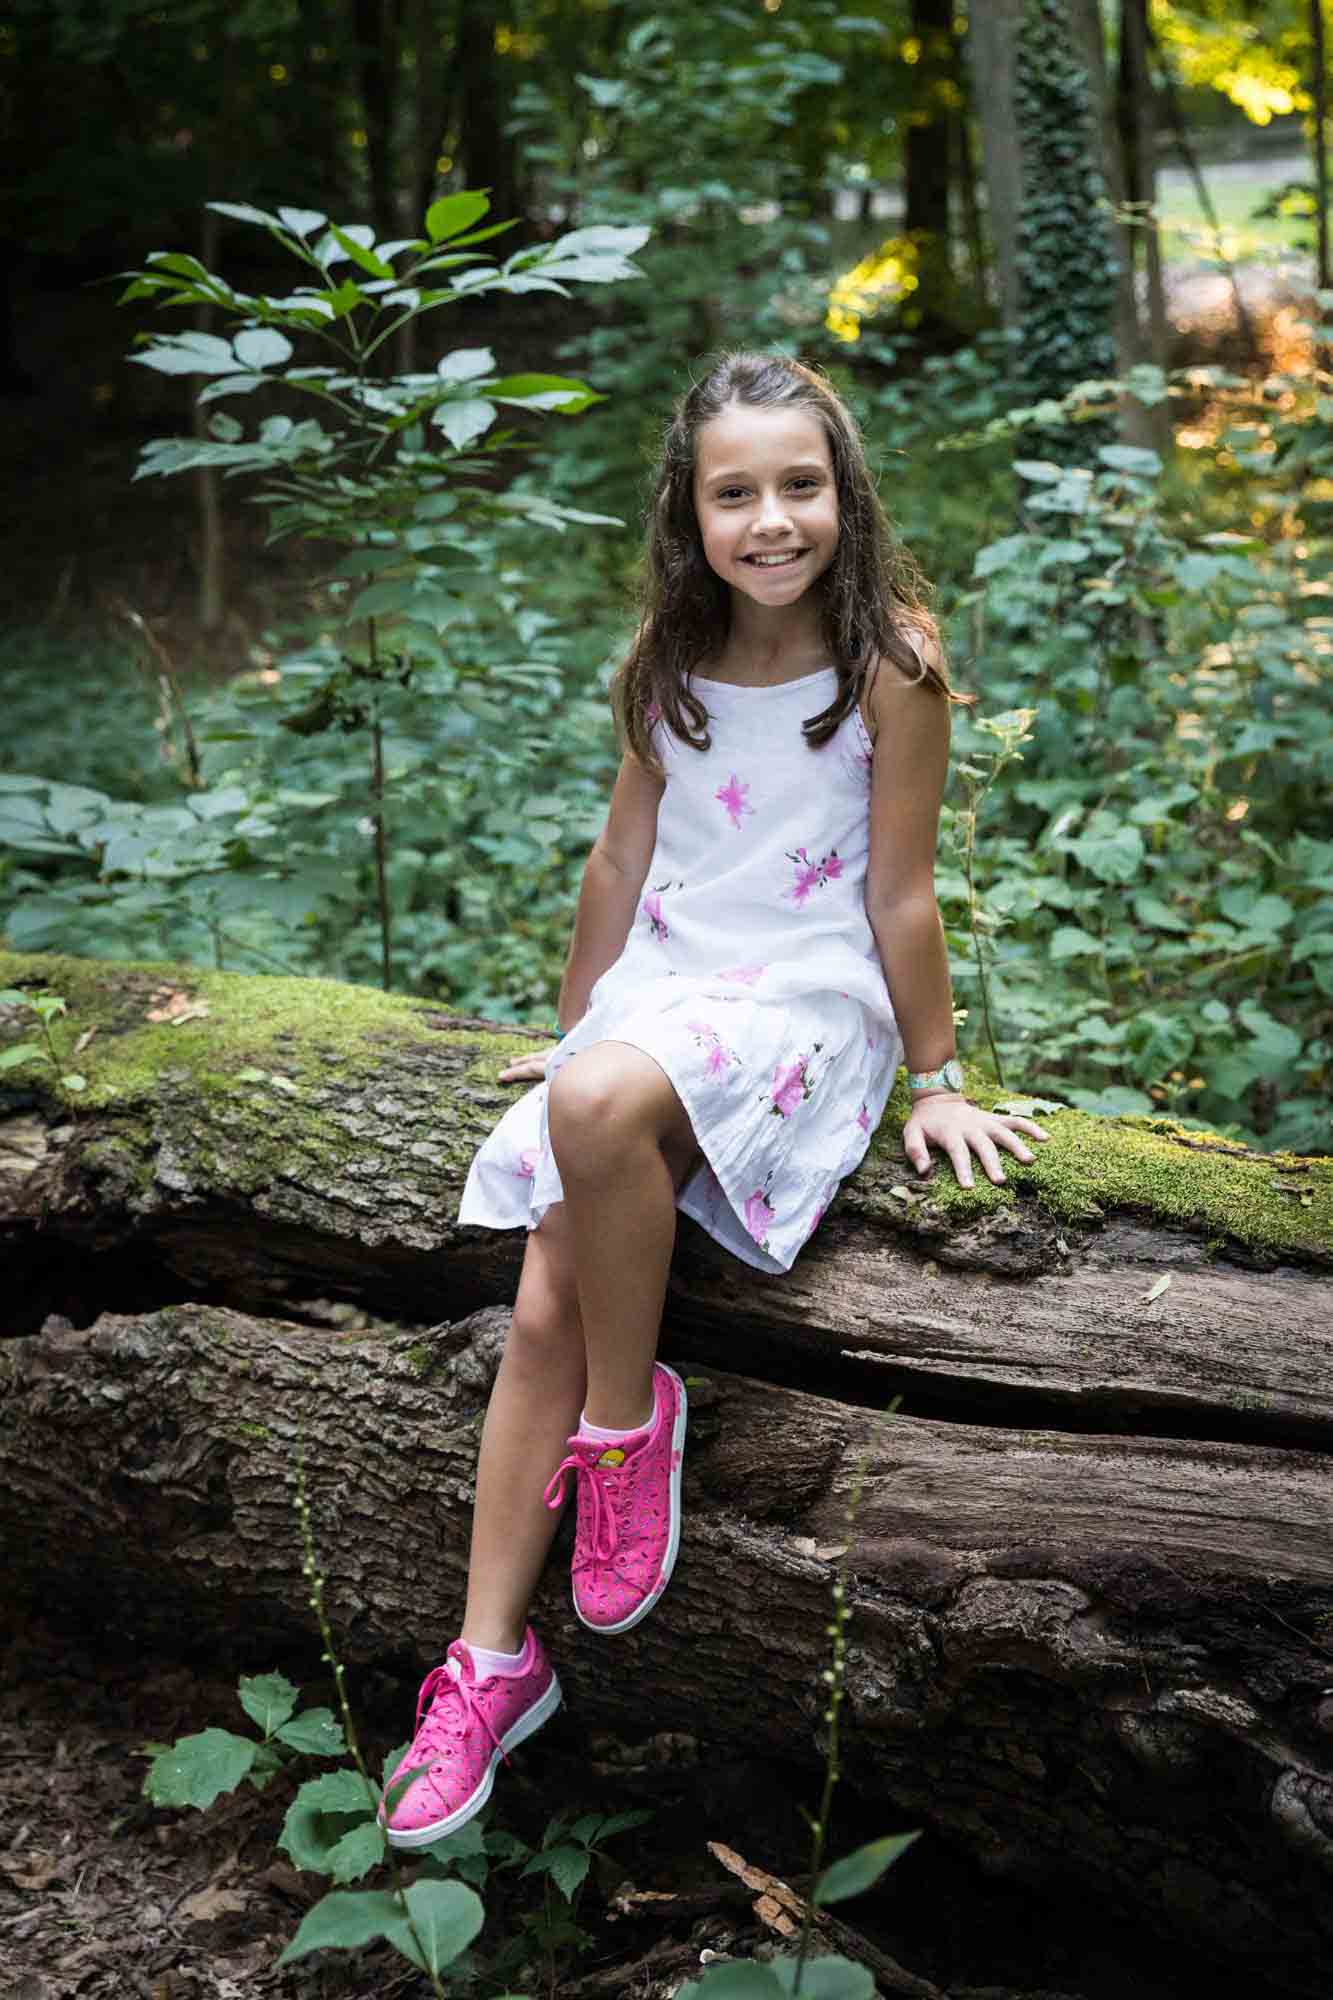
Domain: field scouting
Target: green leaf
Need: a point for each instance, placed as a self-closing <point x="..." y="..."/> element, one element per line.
<point x="189" y="354"/>
<point x="268" y="1700"/>
<point x="826" y="1979"/>
<point x="462" y="422"/>
<point x="859" y="1871"/>
<point x="337" y="1792"/>
<point x="262" y="347"/>
<point x="355" y="243"/>
<point x="454" y="213"/>
<point x="301" y="221"/>
<point x="1131" y="458"/>
<point x="1069" y="942"/>
<point x="1156" y="914"/>
<point x="447" y="1916"/>
<point x="568" y="1868"/>
<point x="243" y="211"/>
<point x="1000" y="555"/>
<point x="359" y="1850"/>
<point x="1113" y="1102"/>
<point x="742" y="1981"/>
<point x="344" y="1919"/>
<point x="465" y="364"/>
<point x="21" y="1052"/>
<point x="544" y="392"/>
<point x="314" y="1731"/>
<point x="197" y="1769"/>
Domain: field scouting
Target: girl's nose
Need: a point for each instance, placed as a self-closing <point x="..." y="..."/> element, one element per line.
<point x="772" y="513"/>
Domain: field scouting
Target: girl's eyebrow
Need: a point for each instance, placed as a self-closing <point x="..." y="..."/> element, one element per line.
<point x="802" y="465"/>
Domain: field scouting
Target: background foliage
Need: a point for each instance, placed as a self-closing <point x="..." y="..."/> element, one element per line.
<point x="1150" y="875"/>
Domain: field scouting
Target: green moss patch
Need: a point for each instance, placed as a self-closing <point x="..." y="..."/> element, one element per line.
<point x="1092" y="1165"/>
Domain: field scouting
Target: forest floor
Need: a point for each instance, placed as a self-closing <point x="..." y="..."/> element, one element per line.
<point x="103" y="1897"/>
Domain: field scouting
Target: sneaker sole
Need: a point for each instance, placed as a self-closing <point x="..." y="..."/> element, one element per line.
<point x="673" y="1539"/>
<point x="527" y="1725"/>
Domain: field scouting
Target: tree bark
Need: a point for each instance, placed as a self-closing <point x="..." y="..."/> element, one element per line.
<point x="926" y="169"/>
<point x="1089" y="1573"/>
<point x="992" y="33"/>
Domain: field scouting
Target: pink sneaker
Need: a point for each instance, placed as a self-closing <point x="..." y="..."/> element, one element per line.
<point x="629" y="1513"/>
<point x="469" y="1726"/>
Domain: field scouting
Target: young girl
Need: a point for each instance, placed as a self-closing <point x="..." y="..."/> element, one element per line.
<point x="756" y="946"/>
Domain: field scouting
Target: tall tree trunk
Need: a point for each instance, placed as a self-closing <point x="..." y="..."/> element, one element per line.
<point x="487" y="151"/>
<point x="1140" y="239"/>
<point x="377" y="25"/>
<point x="1319" y="138"/>
<point x="992" y="40"/>
<point x="926" y="157"/>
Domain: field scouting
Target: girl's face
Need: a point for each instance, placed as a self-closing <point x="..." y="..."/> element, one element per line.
<point x="766" y="500"/>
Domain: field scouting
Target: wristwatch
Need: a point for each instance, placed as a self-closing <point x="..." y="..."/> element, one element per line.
<point x="948" y="1077"/>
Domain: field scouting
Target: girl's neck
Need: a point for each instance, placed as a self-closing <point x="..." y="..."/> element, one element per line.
<point x="764" y="646"/>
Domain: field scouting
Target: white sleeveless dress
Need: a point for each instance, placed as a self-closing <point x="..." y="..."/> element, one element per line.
<point x="750" y="975"/>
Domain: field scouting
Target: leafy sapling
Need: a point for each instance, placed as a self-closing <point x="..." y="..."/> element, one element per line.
<point x="395" y="474"/>
<point x="47" y="1007"/>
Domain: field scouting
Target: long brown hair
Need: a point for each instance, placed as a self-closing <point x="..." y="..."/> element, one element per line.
<point x="872" y="595"/>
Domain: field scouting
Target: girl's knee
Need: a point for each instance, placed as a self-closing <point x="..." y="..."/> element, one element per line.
<point x="606" y="1102"/>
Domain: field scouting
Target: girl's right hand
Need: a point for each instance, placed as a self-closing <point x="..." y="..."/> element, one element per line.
<point x="529" y="1069"/>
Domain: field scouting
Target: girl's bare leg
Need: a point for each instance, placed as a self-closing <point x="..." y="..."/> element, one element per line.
<point x="623" y="1144"/>
<point x="534" y="1407"/>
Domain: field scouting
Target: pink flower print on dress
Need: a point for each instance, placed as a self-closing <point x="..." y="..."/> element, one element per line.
<point x="744" y="975"/>
<point x="732" y="796"/>
<point x="651" y="907"/>
<point x="863" y="1117"/>
<point x="527" y="1165"/>
<point x="812" y="874"/>
<point x="758" y="1215"/>
<point x="707" y="1037"/>
<point x="652" y="715"/>
<point x="790" y="1087"/>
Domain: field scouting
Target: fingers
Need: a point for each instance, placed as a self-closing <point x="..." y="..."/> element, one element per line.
<point x="528" y="1069"/>
<point x="916" y="1149"/>
<point x="1026" y="1125"/>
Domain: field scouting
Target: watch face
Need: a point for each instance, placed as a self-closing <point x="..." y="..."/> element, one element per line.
<point x="952" y="1073"/>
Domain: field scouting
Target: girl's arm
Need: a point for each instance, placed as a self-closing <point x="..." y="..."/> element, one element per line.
<point x="613" y="876"/>
<point x="911" y="733"/>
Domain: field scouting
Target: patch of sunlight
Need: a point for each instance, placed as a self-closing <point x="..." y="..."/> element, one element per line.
<point x="885" y="274"/>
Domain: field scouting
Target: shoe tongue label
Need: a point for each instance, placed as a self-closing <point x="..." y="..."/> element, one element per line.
<point x="615" y="1456"/>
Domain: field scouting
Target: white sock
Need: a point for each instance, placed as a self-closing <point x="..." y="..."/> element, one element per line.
<point x="486" y="1662"/>
<point x="602" y="1435"/>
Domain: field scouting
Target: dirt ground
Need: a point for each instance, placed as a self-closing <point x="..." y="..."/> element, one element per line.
<point x="103" y="1897"/>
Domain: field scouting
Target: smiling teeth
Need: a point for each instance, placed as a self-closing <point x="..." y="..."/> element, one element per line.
<point x="776" y="562"/>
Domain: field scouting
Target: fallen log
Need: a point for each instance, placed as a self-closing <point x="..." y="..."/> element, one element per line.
<point x="1091" y="1576"/>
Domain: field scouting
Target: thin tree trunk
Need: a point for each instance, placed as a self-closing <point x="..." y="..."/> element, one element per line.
<point x="376" y="24"/>
<point x="1319" y="141"/>
<point x="1140" y="237"/>
<point x="993" y="27"/>
<point x="926" y="164"/>
<point x="487" y="151"/>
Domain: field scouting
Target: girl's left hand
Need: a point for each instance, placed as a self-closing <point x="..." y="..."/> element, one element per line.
<point x="961" y="1129"/>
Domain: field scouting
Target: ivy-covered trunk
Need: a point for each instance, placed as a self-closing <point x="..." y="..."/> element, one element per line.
<point x="1067" y="264"/>
<point x="1090" y="1582"/>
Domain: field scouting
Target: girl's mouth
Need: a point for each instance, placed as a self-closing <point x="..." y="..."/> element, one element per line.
<point x="778" y="560"/>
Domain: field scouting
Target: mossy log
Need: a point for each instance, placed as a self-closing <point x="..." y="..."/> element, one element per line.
<point x="1090" y="1573"/>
